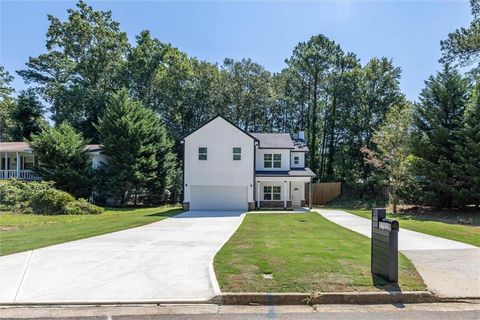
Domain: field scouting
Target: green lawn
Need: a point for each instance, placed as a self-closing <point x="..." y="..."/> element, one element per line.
<point x="436" y="226"/>
<point x="304" y="253"/>
<point x="20" y="232"/>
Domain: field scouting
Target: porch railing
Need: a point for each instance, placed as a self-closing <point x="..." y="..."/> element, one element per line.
<point x="20" y="175"/>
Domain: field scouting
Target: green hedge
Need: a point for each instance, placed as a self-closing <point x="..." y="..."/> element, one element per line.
<point x="41" y="198"/>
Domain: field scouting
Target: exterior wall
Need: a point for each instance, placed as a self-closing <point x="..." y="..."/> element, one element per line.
<point x="97" y="159"/>
<point x="219" y="137"/>
<point x="285" y="159"/>
<point x="301" y="162"/>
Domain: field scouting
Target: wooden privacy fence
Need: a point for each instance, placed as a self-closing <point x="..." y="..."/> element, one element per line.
<point x="323" y="192"/>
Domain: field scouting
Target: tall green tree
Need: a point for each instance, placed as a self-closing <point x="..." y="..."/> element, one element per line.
<point x="140" y="161"/>
<point x="392" y="142"/>
<point x="63" y="158"/>
<point x="463" y="45"/>
<point x="312" y="61"/>
<point x="248" y="94"/>
<point x="27" y="115"/>
<point x="83" y="63"/>
<point x="467" y="151"/>
<point x="436" y="131"/>
<point x="7" y="105"/>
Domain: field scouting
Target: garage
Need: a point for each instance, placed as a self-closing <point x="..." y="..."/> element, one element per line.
<point x="218" y="198"/>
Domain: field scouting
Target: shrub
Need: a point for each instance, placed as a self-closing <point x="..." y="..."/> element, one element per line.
<point x="41" y="198"/>
<point x="16" y="195"/>
<point x="82" y="206"/>
<point x="50" y="201"/>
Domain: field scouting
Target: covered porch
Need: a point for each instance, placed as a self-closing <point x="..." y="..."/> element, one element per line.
<point x="281" y="192"/>
<point x="17" y="162"/>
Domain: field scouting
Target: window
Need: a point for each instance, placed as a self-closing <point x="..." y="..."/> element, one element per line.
<point x="28" y="163"/>
<point x="296" y="160"/>
<point x="267" y="160"/>
<point x="272" y="159"/>
<point x="272" y="193"/>
<point x="202" y="153"/>
<point x="277" y="160"/>
<point x="237" y="153"/>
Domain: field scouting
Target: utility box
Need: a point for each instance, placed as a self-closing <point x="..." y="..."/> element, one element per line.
<point x="384" y="256"/>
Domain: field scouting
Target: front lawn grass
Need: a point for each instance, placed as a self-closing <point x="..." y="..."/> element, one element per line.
<point x="433" y="225"/>
<point x="303" y="252"/>
<point x="21" y="232"/>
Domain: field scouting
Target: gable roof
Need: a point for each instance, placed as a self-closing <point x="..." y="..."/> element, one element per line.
<point x="218" y="116"/>
<point x="274" y="140"/>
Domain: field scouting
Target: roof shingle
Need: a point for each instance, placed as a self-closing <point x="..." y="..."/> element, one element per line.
<point x="274" y="140"/>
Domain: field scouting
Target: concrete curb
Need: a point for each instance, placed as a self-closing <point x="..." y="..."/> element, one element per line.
<point x="326" y="298"/>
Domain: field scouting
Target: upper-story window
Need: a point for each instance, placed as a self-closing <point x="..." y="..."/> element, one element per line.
<point x="237" y="153"/>
<point x="202" y="153"/>
<point x="272" y="160"/>
<point x="296" y="160"/>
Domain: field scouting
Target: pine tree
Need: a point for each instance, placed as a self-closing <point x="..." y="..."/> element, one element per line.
<point x="27" y="115"/>
<point x="436" y="130"/>
<point x="468" y="151"/>
<point x="63" y="158"/>
<point x="140" y="162"/>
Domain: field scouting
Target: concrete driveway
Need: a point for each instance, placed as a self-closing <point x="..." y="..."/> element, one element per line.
<point x="169" y="260"/>
<point x="448" y="268"/>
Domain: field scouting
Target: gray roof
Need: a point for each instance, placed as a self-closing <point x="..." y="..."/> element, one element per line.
<point x="274" y="140"/>
<point x="304" y="172"/>
<point x="21" y="146"/>
<point x="300" y="145"/>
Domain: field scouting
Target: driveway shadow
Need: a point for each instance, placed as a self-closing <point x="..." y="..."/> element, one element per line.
<point x="209" y="214"/>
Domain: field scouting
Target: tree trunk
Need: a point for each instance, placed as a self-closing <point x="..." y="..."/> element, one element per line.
<point x="331" y="148"/>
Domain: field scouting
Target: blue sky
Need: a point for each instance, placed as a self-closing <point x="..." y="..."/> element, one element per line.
<point x="409" y="32"/>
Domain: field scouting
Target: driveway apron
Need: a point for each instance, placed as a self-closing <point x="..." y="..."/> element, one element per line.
<point x="449" y="268"/>
<point x="169" y="260"/>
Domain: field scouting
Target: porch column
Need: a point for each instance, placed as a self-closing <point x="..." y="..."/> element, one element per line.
<point x="310" y="200"/>
<point x="18" y="166"/>
<point x="5" y="175"/>
<point x="258" y="194"/>
<point x="285" y="194"/>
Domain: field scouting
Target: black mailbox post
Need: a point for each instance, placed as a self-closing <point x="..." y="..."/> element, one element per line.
<point x="384" y="261"/>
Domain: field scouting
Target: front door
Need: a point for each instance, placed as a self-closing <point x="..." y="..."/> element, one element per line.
<point x="296" y="198"/>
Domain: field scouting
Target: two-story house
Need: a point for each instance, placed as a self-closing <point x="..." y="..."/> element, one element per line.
<point x="226" y="168"/>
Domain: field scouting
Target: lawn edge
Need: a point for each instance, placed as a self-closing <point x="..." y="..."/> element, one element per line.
<point x="295" y="298"/>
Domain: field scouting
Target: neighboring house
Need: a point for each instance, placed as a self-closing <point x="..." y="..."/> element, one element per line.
<point x="226" y="168"/>
<point x="18" y="160"/>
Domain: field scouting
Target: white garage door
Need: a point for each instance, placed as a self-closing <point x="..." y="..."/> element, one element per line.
<point x="218" y="198"/>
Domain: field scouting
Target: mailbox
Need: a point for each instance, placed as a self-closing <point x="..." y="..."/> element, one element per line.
<point x="384" y="256"/>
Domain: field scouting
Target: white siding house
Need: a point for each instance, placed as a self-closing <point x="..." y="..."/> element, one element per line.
<point x="218" y="167"/>
<point x="17" y="160"/>
<point x="226" y="168"/>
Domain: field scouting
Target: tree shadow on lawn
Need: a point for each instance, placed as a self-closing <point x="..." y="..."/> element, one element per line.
<point x="168" y="213"/>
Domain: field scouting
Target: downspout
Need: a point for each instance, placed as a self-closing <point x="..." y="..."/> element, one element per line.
<point x="254" y="182"/>
<point x="183" y="175"/>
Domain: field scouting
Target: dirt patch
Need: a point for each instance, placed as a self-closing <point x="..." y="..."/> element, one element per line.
<point x="9" y="228"/>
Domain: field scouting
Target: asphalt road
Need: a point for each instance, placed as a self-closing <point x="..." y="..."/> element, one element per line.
<point x="437" y="311"/>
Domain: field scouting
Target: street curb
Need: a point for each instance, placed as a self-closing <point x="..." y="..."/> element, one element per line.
<point x="325" y="298"/>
